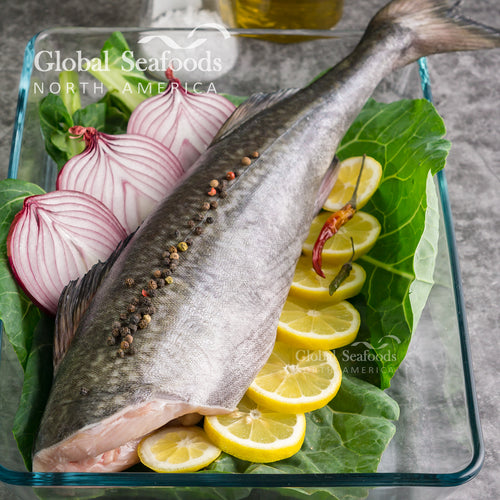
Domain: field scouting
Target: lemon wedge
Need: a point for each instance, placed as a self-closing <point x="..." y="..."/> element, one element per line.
<point x="296" y="380"/>
<point x="318" y="325"/>
<point x="348" y="174"/>
<point x="177" y="449"/>
<point x="255" y="433"/>
<point x="363" y="228"/>
<point x="308" y="285"/>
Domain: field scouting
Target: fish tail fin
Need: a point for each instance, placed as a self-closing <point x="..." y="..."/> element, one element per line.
<point x="433" y="26"/>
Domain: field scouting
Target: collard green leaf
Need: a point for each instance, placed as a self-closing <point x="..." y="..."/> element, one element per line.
<point x="36" y="388"/>
<point x="406" y="138"/>
<point x="17" y="313"/>
<point x="348" y="435"/>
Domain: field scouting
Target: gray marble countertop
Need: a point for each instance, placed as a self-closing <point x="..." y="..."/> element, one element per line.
<point x="466" y="90"/>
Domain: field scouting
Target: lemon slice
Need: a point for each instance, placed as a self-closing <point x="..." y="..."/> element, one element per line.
<point x="318" y="325"/>
<point x="177" y="449"/>
<point x="296" y="380"/>
<point x="257" y="434"/>
<point x="308" y="285"/>
<point x="348" y="175"/>
<point x="363" y="228"/>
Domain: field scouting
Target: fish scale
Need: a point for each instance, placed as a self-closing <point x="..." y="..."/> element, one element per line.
<point x="214" y="326"/>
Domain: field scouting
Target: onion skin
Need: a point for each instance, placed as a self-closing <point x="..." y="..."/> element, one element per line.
<point x="57" y="237"/>
<point x="129" y="173"/>
<point x="183" y="121"/>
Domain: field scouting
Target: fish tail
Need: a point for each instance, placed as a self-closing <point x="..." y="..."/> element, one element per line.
<point x="431" y="27"/>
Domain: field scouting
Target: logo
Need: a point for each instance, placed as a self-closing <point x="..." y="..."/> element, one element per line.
<point x="173" y="44"/>
<point x="197" y="57"/>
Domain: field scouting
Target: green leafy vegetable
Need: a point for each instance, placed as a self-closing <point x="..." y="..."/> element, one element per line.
<point x="406" y="138"/>
<point x="17" y="313"/>
<point x="36" y="388"/>
<point x="348" y="435"/>
<point x="117" y="70"/>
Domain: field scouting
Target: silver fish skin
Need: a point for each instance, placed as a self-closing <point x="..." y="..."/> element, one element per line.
<point x="214" y="327"/>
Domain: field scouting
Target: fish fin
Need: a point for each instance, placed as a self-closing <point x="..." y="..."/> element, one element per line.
<point x="74" y="301"/>
<point x="435" y="26"/>
<point x="327" y="184"/>
<point x="251" y="107"/>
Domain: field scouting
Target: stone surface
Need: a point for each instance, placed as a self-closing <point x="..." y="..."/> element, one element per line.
<point x="466" y="90"/>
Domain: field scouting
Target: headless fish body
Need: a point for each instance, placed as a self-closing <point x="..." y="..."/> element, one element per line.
<point x="200" y="340"/>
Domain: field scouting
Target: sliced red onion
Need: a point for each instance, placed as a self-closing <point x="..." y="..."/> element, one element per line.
<point x="129" y="173"/>
<point x="185" y="122"/>
<point x="57" y="237"/>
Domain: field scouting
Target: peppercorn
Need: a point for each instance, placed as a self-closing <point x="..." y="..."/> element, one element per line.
<point x="174" y="256"/>
<point x="111" y="340"/>
<point x="132" y="328"/>
<point x="198" y="230"/>
<point x="135" y="301"/>
<point x="167" y="261"/>
<point x="152" y="292"/>
<point x="149" y="310"/>
<point x="116" y="324"/>
<point x="173" y="266"/>
<point x="124" y="331"/>
<point x="160" y="282"/>
<point x="124" y="345"/>
<point x="172" y="249"/>
<point x="223" y="194"/>
<point x="165" y="254"/>
<point x="147" y="318"/>
<point x="84" y="391"/>
<point x="205" y="206"/>
<point x="182" y="246"/>
<point x="245" y="161"/>
<point x="230" y="176"/>
<point x="213" y="205"/>
<point x="212" y="192"/>
<point x="169" y="280"/>
<point x="222" y="185"/>
<point x="123" y="316"/>
<point x="129" y="282"/>
<point x="209" y="220"/>
<point x="255" y="154"/>
<point x="115" y="332"/>
<point x="191" y="224"/>
<point x="131" y="308"/>
<point x="120" y="353"/>
<point x="152" y="284"/>
<point x="142" y="324"/>
<point x="131" y="350"/>
<point x="189" y="242"/>
<point x="199" y="217"/>
<point x="156" y="273"/>
<point x="134" y="319"/>
<point x="146" y="301"/>
<point x="166" y="273"/>
<point x="214" y="183"/>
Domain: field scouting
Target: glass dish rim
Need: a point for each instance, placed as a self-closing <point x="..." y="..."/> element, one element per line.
<point x="210" y="479"/>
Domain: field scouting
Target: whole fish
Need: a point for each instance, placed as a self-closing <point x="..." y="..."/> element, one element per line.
<point x="184" y="315"/>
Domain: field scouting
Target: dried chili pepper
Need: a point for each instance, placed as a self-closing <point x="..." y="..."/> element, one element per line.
<point x="333" y="224"/>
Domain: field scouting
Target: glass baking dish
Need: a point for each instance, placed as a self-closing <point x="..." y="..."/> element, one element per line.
<point x="438" y="440"/>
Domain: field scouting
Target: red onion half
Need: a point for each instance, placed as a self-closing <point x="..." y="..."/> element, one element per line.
<point x="185" y="122"/>
<point x="57" y="237"/>
<point x="129" y="173"/>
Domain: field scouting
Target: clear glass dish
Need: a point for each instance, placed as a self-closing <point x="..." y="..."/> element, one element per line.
<point x="438" y="440"/>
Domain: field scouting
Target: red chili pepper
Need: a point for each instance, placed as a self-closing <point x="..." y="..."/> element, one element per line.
<point x="330" y="228"/>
